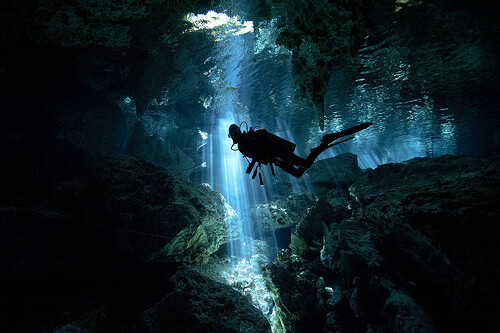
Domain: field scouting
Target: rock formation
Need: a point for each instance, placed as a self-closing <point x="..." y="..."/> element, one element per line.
<point x="98" y="251"/>
<point x="409" y="247"/>
<point x="105" y="107"/>
<point x="320" y="34"/>
<point x="198" y="304"/>
<point x="150" y="211"/>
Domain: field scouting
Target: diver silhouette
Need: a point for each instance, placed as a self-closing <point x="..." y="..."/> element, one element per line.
<point x="265" y="148"/>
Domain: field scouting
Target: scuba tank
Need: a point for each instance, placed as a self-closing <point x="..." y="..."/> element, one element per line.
<point x="278" y="142"/>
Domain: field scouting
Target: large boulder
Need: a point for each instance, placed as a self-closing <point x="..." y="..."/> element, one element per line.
<point x="405" y="314"/>
<point x="335" y="172"/>
<point x="281" y="213"/>
<point x="151" y="212"/>
<point x="355" y="251"/>
<point x="412" y="249"/>
<point x="61" y="274"/>
<point x="292" y="283"/>
<point x="425" y="173"/>
<point x="351" y="248"/>
<point x="199" y="304"/>
<point x="307" y="239"/>
<point x="350" y="289"/>
<point x="442" y="214"/>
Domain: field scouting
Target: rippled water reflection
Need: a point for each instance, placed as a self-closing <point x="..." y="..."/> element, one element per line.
<point x="428" y="83"/>
<point x="425" y="100"/>
<point x="416" y="108"/>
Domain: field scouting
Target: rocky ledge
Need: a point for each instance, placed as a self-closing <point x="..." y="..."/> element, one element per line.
<point x="409" y="247"/>
<point x="98" y="251"/>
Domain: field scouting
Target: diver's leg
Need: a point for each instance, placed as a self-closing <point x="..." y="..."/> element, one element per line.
<point x="291" y="158"/>
<point x="289" y="168"/>
<point x="287" y="161"/>
<point x="315" y="152"/>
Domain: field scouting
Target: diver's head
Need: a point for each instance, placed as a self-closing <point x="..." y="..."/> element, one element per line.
<point x="234" y="133"/>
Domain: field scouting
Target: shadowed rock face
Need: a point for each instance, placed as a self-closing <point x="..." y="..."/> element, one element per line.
<point x="441" y="213"/>
<point x="416" y="253"/>
<point x="66" y="69"/>
<point x="89" y="246"/>
<point x="412" y="249"/>
<point x="98" y="252"/>
<point x="198" y="304"/>
<point x="156" y="150"/>
<point x="59" y="272"/>
<point x="84" y="23"/>
<point x="319" y="34"/>
<point x="335" y="172"/>
<point x="151" y="212"/>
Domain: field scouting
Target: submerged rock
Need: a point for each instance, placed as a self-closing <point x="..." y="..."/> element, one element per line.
<point x="292" y="282"/>
<point x="307" y="239"/>
<point x="155" y="149"/>
<point x="351" y="249"/>
<point x="405" y="314"/>
<point x="63" y="275"/>
<point x="199" y="304"/>
<point x="441" y="213"/>
<point x="335" y="172"/>
<point x="412" y="249"/>
<point x="153" y="213"/>
<point x="281" y="213"/>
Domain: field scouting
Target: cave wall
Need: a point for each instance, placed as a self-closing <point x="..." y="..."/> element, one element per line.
<point x="88" y="79"/>
<point x="406" y="247"/>
<point x="78" y="77"/>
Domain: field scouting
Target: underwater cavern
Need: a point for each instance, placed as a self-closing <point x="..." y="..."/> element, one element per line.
<point x="125" y="206"/>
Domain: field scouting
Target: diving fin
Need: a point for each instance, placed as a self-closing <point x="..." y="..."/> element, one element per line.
<point x="328" y="138"/>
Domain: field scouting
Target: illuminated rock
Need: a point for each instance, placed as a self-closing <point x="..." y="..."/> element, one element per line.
<point x="199" y="304"/>
<point x="401" y="257"/>
<point x="153" y="213"/>
<point x="281" y="213"/>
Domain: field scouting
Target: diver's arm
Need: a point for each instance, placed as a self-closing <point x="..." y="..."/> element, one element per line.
<point x="250" y="166"/>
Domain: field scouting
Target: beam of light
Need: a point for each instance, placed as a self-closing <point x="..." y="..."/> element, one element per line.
<point x="298" y="185"/>
<point x="227" y="167"/>
<point x="225" y="171"/>
<point x="228" y="176"/>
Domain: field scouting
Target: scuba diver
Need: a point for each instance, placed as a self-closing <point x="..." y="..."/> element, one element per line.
<point x="265" y="148"/>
